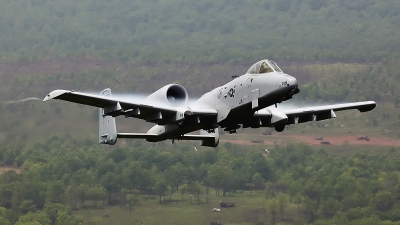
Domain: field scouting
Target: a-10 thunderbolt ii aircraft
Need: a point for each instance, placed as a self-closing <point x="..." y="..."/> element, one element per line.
<point x="240" y="103"/>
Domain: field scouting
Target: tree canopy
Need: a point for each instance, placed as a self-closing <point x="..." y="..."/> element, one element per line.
<point x="208" y="31"/>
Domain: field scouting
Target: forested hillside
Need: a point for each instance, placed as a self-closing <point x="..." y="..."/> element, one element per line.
<point x="202" y="31"/>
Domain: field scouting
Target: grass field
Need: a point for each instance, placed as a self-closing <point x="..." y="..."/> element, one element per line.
<point x="249" y="208"/>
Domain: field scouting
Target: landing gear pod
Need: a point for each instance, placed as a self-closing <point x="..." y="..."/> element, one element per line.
<point x="210" y="142"/>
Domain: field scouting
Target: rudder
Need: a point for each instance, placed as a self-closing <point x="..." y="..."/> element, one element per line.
<point x="107" y="126"/>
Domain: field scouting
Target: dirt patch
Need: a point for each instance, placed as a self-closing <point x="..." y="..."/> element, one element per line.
<point x="310" y="140"/>
<point x="247" y="142"/>
<point x="5" y="169"/>
<point x="340" y="140"/>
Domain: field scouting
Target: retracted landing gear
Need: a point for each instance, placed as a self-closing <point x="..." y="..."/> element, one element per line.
<point x="279" y="128"/>
<point x="232" y="129"/>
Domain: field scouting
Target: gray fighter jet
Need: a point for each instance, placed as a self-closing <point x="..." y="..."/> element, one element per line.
<point x="240" y="103"/>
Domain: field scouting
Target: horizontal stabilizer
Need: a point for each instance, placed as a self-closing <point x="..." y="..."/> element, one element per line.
<point x="183" y="137"/>
<point x="210" y="140"/>
<point x="135" y="135"/>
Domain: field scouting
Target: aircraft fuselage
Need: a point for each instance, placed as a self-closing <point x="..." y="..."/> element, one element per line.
<point x="235" y="102"/>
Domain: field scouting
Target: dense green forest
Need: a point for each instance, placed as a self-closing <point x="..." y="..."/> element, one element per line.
<point x="322" y="187"/>
<point x="201" y="31"/>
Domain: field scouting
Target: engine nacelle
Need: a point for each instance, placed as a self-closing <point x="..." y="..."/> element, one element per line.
<point x="171" y="94"/>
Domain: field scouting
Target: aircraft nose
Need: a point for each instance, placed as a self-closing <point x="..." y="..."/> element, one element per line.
<point x="292" y="81"/>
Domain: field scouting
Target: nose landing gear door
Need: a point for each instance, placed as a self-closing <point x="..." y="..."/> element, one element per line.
<point x="255" y="94"/>
<point x="247" y="90"/>
<point x="251" y="93"/>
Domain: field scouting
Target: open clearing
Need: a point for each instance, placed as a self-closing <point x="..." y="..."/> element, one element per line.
<point x="5" y="169"/>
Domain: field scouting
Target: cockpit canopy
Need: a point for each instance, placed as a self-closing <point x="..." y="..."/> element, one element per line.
<point x="264" y="66"/>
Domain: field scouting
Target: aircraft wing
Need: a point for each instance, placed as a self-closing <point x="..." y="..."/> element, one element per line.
<point x="113" y="106"/>
<point x="317" y="113"/>
<point x="139" y="109"/>
<point x="315" y="110"/>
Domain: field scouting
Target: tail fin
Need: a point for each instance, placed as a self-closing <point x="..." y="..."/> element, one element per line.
<point x="107" y="127"/>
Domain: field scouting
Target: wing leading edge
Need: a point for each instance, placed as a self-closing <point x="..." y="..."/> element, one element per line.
<point x="115" y="107"/>
<point x="361" y="106"/>
<point x="305" y="114"/>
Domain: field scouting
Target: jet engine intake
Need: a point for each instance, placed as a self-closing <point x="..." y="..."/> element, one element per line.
<point x="171" y="94"/>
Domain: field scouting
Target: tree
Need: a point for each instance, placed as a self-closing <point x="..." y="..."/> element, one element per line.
<point x="53" y="209"/>
<point x="63" y="218"/>
<point x="383" y="201"/>
<point x="109" y="182"/>
<point x="282" y="202"/>
<point x="132" y="175"/>
<point x="38" y="217"/>
<point x="160" y="187"/>
<point x="36" y="191"/>
<point x="267" y="191"/>
<point x="297" y="200"/>
<point x="273" y="209"/>
<point x="183" y="190"/>
<point x="195" y="188"/>
<point x="215" y="177"/>
<point x="55" y="192"/>
<point x="258" y="181"/>
<point x="294" y="188"/>
<point x="6" y="193"/>
<point x="81" y="192"/>
<point x="72" y="196"/>
<point x="309" y="208"/>
<point x="262" y="166"/>
<point x="96" y="194"/>
<point x="3" y="221"/>
<point x="313" y="191"/>
<point x="329" y="207"/>
<point x="27" y="206"/>
<point x="175" y="174"/>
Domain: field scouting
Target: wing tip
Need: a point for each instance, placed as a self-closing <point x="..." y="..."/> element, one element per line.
<point x="370" y="105"/>
<point x="54" y="94"/>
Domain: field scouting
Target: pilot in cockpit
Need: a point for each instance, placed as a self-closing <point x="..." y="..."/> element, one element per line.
<point x="264" y="68"/>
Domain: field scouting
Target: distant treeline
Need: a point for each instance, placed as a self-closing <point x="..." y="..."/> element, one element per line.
<point x="201" y="31"/>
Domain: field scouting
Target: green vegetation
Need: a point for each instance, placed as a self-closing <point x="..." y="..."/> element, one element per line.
<point x="295" y="183"/>
<point x="206" y="31"/>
